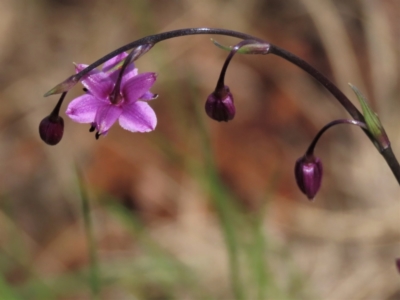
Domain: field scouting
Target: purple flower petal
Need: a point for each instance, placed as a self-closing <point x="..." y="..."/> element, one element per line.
<point x="109" y="64"/>
<point x="138" y="117"/>
<point x="137" y="86"/>
<point x="106" y="116"/>
<point x="98" y="83"/>
<point x="80" y="67"/>
<point x="83" y="109"/>
<point x="129" y="72"/>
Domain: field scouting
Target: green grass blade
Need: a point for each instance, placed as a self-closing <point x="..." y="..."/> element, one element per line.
<point x="94" y="274"/>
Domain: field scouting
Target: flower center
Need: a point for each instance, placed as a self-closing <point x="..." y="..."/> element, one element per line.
<point x="116" y="97"/>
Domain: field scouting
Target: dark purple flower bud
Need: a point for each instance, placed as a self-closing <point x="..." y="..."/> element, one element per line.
<point x="51" y="129"/>
<point x="219" y="105"/>
<point x="308" y="173"/>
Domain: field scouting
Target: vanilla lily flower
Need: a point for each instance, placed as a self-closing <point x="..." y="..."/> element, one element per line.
<point x="105" y="101"/>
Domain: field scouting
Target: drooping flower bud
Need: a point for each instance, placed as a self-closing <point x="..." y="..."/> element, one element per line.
<point x="219" y="105"/>
<point x="308" y="173"/>
<point x="51" y="129"/>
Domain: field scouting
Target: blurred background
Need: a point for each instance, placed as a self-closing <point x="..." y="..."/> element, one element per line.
<point x="199" y="209"/>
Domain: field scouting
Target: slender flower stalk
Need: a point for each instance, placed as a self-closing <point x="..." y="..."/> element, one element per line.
<point x="310" y="149"/>
<point x="233" y="51"/>
<point x="132" y="56"/>
<point x="387" y="152"/>
<point x="114" y="95"/>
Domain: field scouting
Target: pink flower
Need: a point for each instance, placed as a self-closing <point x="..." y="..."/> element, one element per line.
<point x="99" y="106"/>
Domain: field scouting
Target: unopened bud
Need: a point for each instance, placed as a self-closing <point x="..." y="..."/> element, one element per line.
<point x="308" y="173"/>
<point x="219" y="105"/>
<point x="51" y="129"/>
